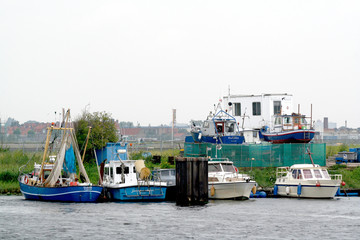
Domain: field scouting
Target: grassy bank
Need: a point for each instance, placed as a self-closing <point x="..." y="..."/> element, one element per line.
<point x="10" y="162"/>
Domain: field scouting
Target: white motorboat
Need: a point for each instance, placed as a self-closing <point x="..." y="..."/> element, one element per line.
<point x="306" y="181"/>
<point x="224" y="181"/>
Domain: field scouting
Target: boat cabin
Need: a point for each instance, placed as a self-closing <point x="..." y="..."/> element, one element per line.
<point x="227" y="167"/>
<point x="304" y="172"/>
<point x="117" y="172"/>
<point x="290" y="122"/>
<point x="165" y="175"/>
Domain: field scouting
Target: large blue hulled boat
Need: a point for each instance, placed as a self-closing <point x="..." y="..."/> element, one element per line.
<point x="218" y="128"/>
<point x="127" y="180"/>
<point x="289" y="129"/>
<point x="79" y="193"/>
<point x="55" y="179"/>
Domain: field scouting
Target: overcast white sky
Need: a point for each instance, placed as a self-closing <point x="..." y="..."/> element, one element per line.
<point x="140" y="59"/>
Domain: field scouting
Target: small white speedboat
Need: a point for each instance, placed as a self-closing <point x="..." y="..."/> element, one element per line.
<point x="306" y="181"/>
<point x="224" y="181"/>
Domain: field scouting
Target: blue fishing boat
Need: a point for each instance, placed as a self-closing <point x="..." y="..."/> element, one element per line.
<point x="127" y="180"/>
<point x="218" y="128"/>
<point x="55" y="179"/>
<point x="289" y="129"/>
<point x="79" y="193"/>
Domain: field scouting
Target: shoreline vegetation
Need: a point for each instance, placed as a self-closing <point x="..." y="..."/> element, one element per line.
<point x="12" y="161"/>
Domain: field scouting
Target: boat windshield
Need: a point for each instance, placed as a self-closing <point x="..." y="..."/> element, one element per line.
<point x="317" y="173"/>
<point x="325" y="173"/>
<point x="214" y="167"/>
<point x="230" y="127"/>
<point x="228" y="167"/>
<point x="307" y="173"/>
<point x="278" y="121"/>
<point x="296" y="173"/>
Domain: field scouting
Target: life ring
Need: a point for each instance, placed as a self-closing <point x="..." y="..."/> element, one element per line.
<point x="26" y="180"/>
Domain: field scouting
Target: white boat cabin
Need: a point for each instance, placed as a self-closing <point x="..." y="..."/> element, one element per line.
<point x="304" y="172"/>
<point x="117" y="172"/>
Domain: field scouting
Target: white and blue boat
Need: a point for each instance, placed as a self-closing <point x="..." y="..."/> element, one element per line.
<point x="127" y="180"/>
<point x="289" y="129"/>
<point x="55" y="179"/>
<point x="218" y="128"/>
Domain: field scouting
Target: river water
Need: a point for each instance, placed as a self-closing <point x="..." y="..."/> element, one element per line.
<point x="267" y="218"/>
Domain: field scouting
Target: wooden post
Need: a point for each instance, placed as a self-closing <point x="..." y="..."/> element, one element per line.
<point x="191" y="181"/>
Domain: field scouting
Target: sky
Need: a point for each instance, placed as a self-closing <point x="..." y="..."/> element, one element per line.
<point x="138" y="60"/>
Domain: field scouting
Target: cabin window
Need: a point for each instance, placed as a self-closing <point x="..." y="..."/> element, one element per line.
<point x="307" y="173"/>
<point x="296" y="173"/>
<point x="106" y="171"/>
<point x="287" y="120"/>
<point x="228" y="168"/>
<point x="256" y="108"/>
<point x="134" y="170"/>
<point x="237" y="109"/>
<point x="277" y="107"/>
<point x="214" y="168"/>
<point x="325" y="173"/>
<point x="206" y="125"/>
<point x="126" y="170"/>
<point x="255" y="134"/>
<point x="278" y="121"/>
<point x="220" y="127"/>
<point x="317" y="174"/>
<point x="230" y="127"/>
<point x="111" y="172"/>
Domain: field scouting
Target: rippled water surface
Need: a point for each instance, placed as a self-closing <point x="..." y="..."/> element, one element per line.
<point x="255" y="219"/>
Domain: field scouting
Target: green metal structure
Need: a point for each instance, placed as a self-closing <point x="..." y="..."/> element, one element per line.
<point x="260" y="155"/>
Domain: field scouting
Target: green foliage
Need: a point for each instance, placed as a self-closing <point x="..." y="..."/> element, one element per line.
<point x="17" y="131"/>
<point x="351" y="176"/>
<point x="333" y="150"/>
<point x="31" y="133"/>
<point x="3" y="149"/>
<point x="103" y="131"/>
<point x="265" y="177"/>
<point x="8" y="176"/>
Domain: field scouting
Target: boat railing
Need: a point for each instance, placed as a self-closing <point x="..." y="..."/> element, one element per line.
<point x="336" y="176"/>
<point x="281" y="172"/>
<point x="219" y="159"/>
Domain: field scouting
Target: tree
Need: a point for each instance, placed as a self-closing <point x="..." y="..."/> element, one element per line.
<point x="31" y="133"/>
<point x="103" y="131"/>
<point x="17" y="131"/>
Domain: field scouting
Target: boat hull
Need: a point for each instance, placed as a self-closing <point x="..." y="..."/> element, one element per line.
<point x="230" y="190"/>
<point x="136" y="193"/>
<point x="61" y="194"/>
<point x="307" y="191"/>
<point x="297" y="136"/>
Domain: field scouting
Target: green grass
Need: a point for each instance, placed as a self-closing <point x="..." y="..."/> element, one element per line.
<point x="351" y="176"/>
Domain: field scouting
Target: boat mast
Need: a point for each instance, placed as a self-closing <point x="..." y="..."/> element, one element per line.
<point x="50" y="129"/>
<point x="312" y="161"/>
<point x="87" y="140"/>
